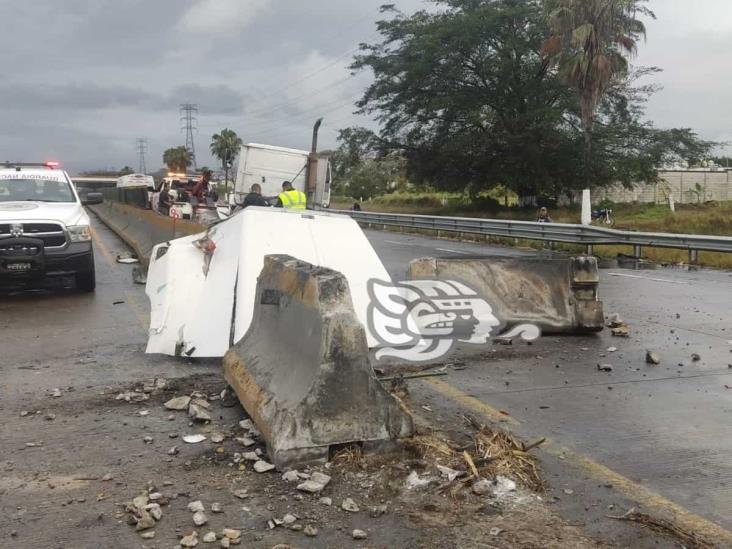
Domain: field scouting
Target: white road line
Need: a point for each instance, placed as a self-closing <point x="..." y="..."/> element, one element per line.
<point x="649" y="278"/>
<point x="453" y="251"/>
<point x="399" y="243"/>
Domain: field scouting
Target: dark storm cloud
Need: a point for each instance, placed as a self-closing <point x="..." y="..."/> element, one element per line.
<point x="103" y="72"/>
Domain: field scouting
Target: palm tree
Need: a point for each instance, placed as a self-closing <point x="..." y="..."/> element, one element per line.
<point x="225" y="146"/>
<point x="590" y="43"/>
<point x="177" y="159"/>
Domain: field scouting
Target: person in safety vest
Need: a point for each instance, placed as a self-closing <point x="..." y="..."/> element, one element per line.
<point x="290" y="198"/>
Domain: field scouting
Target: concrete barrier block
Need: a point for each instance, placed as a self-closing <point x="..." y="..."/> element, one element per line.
<point x="302" y="371"/>
<point x="558" y="295"/>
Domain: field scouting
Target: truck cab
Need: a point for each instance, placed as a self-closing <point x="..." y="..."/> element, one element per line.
<point x="44" y="229"/>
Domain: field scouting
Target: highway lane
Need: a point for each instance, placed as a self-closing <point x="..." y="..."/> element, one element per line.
<point x="665" y="428"/>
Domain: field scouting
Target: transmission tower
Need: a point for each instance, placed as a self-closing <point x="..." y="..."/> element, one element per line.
<point x="141" y="150"/>
<point x="189" y="120"/>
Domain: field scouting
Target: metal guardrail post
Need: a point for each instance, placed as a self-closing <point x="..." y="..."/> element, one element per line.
<point x="637" y="251"/>
<point x="590" y="249"/>
<point x="693" y="257"/>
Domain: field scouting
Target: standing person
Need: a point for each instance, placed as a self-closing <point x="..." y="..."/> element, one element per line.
<point x="200" y="189"/>
<point x="255" y="198"/>
<point x="543" y="216"/>
<point x="290" y="198"/>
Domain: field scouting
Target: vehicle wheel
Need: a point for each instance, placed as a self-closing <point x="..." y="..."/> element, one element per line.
<point x="87" y="281"/>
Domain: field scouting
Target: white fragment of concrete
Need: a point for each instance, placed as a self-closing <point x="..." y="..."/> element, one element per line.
<point x="290" y="476"/>
<point x="349" y="505"/>
<point x="503" y="486"/>
<point x="198" y="413"/>
<point x="414" y="481"/>
<point x="193" y="439"/>
<point x="199" y="518"/>
<point x="209" y="537"/>
<point x="262" y="466"/>
<point x="191" y="540"/>
<point x="178" y="403"/>
<point x="196" y="506"/>
<point x="359" y="534"/>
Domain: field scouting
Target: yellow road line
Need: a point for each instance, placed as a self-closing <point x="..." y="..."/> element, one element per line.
<point x="102" y="248"/>
<point x="604" y="475"/>
<point x="467" y="401"/>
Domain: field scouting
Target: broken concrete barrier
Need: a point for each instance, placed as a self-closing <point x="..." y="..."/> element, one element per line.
<point x="302" y="371"/>
<point x="557" y="295"/>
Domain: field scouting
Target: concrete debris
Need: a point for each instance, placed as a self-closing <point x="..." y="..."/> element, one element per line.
<point x="132" y="396"/>
<point x="621" y="331"/>
<point x="288" y="519"/>
<point x="495" y="531"/>
<point x="217" y="438"/>
<point x="291" y="476"/>
<point x="150" y="534"/>
<point x="144" y="413"/>
<point x="231" y="534"/>
<point x="241" y="494"/>
<point x="246" y="441"/>
<point x="482" y="487"/>
<point x="359" y="534"/>
<point x="503" y="486"/>
<point x="199" y="518"/>
<point x="209" y="537"/>
<point x="49" y="417"/>
<point x="225" y="543"/>
<point x="196" y="506"/>
<point x="107" y="477"/>
<point x="174" y="451"/>
<point x="193" y="439"/>
<point x="127" y="258"/>
<point x="250" y="456"/>
<point x="262" y="466"/>
<point x="449" y="474"/>
<point x="198" y="413"/>
<point x="326" y="501"/>
<point x="311" y="486"/>
<point x="605" y="367"/>
<point x="155" y="511"/>
<point x="614" y="321"/>
<point x="148" y="439"/>
<point x="139" y="276"/>
<point x="23" y="413"/>
<point x="612" y="349"/>
<point x="191" y="540"/>
<point x="216" y="508"/>
<point x="414" y="481"/>
<point x="201" y="402"/>
<point x="248" y="425"/>
<point x="310" y="531"/>
<point x="652" y="358"/>
<point x="145" y="521"/>
<point x="178" y="403"/>
<point x="156" y="496"/>
<point x="320" y="478"/>
<point x="349" y="505"/>
<point x="377" y="510"/>
<point x="56" y="393"/>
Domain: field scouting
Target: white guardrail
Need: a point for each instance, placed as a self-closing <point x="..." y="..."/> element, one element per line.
<point x="587" y="235"/>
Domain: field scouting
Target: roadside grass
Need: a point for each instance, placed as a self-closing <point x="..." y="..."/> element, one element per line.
<point x="713" y="218"/>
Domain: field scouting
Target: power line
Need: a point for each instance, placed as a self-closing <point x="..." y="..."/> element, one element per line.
<point x="189" y="117"/>
<point x="141" y="144"/>
<point x="309" y="113"/>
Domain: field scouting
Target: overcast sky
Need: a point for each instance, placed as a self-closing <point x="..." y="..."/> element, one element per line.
<point x="82" y="79"/>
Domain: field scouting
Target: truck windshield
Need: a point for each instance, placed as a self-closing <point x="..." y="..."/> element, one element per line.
<point x="35" y="190"/>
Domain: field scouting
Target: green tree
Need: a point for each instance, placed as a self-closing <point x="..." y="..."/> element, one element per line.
<point x="177" y="159"/>
<point x="468" y="95"/>
<point x="590" y="44"/>
<point x="225" y="146"/>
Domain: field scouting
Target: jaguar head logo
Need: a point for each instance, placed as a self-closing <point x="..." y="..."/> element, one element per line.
<point x="421" y="320"/>
<point x="16" y="230"/>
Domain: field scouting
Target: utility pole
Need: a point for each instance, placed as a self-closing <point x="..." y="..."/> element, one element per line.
<point x="189" y="120"/>
<point x="141" y="150"/>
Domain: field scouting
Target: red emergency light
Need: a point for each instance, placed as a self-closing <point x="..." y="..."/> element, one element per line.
<point x="52" y="164"/>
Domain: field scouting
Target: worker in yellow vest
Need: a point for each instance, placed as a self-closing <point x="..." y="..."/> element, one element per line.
<point x="290" y="198"/>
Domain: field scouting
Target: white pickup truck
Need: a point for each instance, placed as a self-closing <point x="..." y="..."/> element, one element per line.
<point x="44" y="230"/>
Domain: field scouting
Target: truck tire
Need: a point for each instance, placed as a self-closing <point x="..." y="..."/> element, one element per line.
<point x="86" y="281"/>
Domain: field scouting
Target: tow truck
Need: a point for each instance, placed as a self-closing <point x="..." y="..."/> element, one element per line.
<point x="44" y="229"/>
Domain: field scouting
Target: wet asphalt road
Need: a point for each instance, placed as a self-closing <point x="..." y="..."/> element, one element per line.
<point x="666" y="428"/>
